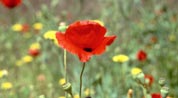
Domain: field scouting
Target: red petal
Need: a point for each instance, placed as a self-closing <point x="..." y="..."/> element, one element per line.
<point x="156" y="95"/>
<point x="101" y="48"/>
<point x="85" y="34"/>
<point x="34" y="52"/>
<point x="11" y="3"/>
<point x="70" y="47"/>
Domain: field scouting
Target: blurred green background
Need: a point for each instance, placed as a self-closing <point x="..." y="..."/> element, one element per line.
<point x="150" y="25"/>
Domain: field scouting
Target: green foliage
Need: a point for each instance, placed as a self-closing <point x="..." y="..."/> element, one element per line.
<point x="150" y="25"/>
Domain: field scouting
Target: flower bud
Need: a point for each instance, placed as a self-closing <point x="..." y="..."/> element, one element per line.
<point x="164" y="92"/>
<point x="130" y="93"/>
<point x="68" y="88"/>
<point x="162" y="82"/>
<point x="140" y="78"/>
<point x="62" y="27"/>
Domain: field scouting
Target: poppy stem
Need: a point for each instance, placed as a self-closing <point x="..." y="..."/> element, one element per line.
<point x="65" y="68"/>
<point x="65" y="64"/>
<point x="83" y="68"/>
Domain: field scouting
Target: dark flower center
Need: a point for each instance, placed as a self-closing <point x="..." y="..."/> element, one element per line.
<point x="87" y="49"/>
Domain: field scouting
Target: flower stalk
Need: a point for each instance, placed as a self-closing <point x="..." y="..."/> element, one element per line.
<point x="65" y="64"/>
<point x="81" y="74"/>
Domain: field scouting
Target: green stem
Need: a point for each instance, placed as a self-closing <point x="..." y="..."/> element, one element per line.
<point x="65" y="68"/>
<point x="65" y="64"/>
<point x="83" y="68"/>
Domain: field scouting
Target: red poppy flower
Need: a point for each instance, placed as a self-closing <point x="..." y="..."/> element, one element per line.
<point x="84" y="38"/>
<point x="34" y="52"/>
<point x="141" y="55"/>
<point x="156" y="95"/>
<point x="150" y="79"/>
<point x="11" y="3"/>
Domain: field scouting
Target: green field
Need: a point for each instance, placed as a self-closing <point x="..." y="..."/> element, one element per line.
<point x="33" y="64"/>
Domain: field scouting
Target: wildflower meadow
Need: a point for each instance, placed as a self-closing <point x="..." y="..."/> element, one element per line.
<point x="88" y="49"/>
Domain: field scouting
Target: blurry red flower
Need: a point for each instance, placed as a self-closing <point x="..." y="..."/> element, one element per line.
<point x="153" y="39"/>
<point x="34" y="52"/>
<point x="34" y="49"/>
<point x="150" y="79"/>
<point x="156" y="95"/>
<point x="11" y="3"/>
<point x="84" y="38"/>
<point x="25" y="28"/>
<point x="141" y="55"/>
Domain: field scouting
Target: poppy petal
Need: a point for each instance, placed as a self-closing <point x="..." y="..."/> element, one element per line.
<point x="86" y="34"/>
<point x="101" y="48"/>
<point x="70" y="47"/>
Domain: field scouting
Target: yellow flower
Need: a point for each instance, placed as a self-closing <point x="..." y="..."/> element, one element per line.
<point x="27" y="59"/>
<point x="135" y="71"/>
<point x="88" y="92"/>
<point x="17" y="27"/>
<point x="51" y="34"/>
<point x="100" y="22"/>
<point x="19" y="63"/>
<point x="38" y="26"/>
<point x="6" y="85"/>
<point x="76" y="96"/>
<point x="62" y="81"/>
<point x="172" y="38"/>
<point x="62" y="97"/>
<point x="3" y="73"/>
<point x="35" y="45"/>
<point x="120" y="58"/>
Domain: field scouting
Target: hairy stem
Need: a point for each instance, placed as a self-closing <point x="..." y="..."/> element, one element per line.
<point x="83" y="68"/>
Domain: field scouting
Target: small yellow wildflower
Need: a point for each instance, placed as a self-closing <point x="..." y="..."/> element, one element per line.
<point x="120" y="58"/>
<point x="19" y="63"/>
<point x="100" y="22"/>
<point x="62" y="81"/>
<point x="62" y="97"/>
<point x="17" y="27"/>
<point x="51" y="34"/>
<point x="35" y="45"/>
<point x="88" y="92"/>
<point x="38" y="26"/>
<point x="135" y="71"/>
<point x="6" y="85"/>
<point x="27" y="59"/>
<point x="172" y="37"/>
<point x="3" y="73"/>
<point x="76" y="96"/>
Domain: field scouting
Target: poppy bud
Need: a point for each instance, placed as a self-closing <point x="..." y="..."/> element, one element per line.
<point x="164" y="92"/>
<point x="130" y="93"/>
<point x="149" y="79"/>
<point x="140" y="78"/>
<point x="68" y="88"/>
<point x="141" y="55"/>
<point x="62" y="27"/>
<point x="34" y="52"/>
<point x="162" y="82"/>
